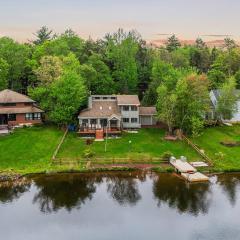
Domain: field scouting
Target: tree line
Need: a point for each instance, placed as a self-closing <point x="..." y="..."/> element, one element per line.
<point x="61" y="70"/>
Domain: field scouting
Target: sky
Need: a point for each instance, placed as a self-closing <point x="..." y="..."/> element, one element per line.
<point x="188" y="19"/>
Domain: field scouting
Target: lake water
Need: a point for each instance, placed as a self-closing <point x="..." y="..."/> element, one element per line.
<point x="120" y="206"/>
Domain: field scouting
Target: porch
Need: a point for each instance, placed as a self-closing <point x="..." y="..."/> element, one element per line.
<point x="89" y="127"/>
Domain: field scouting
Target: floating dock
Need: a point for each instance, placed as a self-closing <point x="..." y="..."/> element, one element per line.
<point x="195" y="177"/>
<point x="187" y="171"/>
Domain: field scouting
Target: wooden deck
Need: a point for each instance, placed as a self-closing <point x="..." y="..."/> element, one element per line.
<point x="183" y="167"/>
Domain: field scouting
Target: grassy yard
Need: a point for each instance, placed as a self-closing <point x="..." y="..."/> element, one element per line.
<point x="224" y="158"/>
<point x="27" y="149"/>
<point x="145" y="144"/>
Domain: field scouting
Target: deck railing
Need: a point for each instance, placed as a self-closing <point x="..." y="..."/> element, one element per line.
<point x="93" y="129"/>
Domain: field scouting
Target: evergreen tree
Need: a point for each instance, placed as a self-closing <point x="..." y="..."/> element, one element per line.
<point x="173" y="43"/>
<point x="42" y="35"/>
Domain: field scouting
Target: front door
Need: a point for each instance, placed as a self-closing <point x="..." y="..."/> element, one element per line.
<point x="3" y="119"/>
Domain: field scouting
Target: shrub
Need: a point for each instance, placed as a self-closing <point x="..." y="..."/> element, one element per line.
<point x="89" y="141"/>
<point x="166" y="156"/>
<point x="197" y="126"/>
<point x="88" y="153"/>
<point x="220" y="155"/>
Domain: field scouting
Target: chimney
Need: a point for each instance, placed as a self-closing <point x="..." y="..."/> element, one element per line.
<point x="90" y="102"/>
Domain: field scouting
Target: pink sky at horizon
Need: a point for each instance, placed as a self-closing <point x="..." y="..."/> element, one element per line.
<point x="187" y="19"/>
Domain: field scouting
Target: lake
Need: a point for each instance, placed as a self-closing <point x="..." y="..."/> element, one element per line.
<point x="120" y="206"/>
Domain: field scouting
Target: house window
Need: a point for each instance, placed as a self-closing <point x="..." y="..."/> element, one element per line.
<point x="33" y="116"/>
<point x="133" y="108"/>
<point x="105" y="98"/>
<point x="125" y="108"/>
<point x="37" y="116"/>
<point x="134" y="120"/>
<point x="29" y="116"/>
<point x="103" y="122"/>
<point x="8" y="104"/>
<point x="93" y="121"/>
<point x="12" y="117"/>
<point x="126" y="120"/>
<point x="85" y="121"/>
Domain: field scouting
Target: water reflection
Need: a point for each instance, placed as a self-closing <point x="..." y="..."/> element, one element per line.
<point x="230" y="183"/>
<point x="101" y="197"/>
<point x="123" y="188"/>
<point x="69" y="191"/>
<point x="191" y="198"/>
<point x="12" y="191"/>
<point x="63" y="191"/>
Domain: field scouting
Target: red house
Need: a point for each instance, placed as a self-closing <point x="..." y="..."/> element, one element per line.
<point x="18" y="109"/>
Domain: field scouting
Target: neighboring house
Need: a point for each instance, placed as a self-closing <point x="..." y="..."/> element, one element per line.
<point x="214" y="96"/>
<point x="115" y="112"/>
<point x="18" y="109"/>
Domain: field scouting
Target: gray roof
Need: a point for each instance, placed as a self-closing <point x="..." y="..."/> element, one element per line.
<point x="128" y="100"/>
<point x="101" y="109"/>
<point x="15" y="110"/>
<point x="147" y="110"/>
<point x="9" y="96"/>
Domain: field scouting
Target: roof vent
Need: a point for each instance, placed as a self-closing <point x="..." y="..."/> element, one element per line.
<point x="101" y="107"/>
<point x="110" y="108"/>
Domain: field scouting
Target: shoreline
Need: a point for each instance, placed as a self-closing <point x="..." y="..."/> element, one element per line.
<point x="7" y="176"/>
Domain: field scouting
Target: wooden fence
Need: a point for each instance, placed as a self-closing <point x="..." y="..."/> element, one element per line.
<point x="66" y="161"/>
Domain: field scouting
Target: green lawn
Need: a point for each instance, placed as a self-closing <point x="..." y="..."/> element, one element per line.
<point x="28" y="148"/>
<point x="210" y="142"/>
<point x="147" y="143"/>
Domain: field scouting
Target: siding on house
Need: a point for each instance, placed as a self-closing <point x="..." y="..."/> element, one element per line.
<point x="130" y="115"/>
<point x="19" y="107"/>
<point x="147" y="120"/>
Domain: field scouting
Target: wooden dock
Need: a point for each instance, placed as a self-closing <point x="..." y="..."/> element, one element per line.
<point x="187" y="171"/>
<point x="195" y="177"/>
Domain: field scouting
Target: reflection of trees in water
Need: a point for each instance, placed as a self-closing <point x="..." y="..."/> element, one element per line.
<point x="230" y="183"/>
<point x="124" y="187"/>
<point x="63" y="191"/>
<point x="13" y="191"/>
<point x="191" y="198"/>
